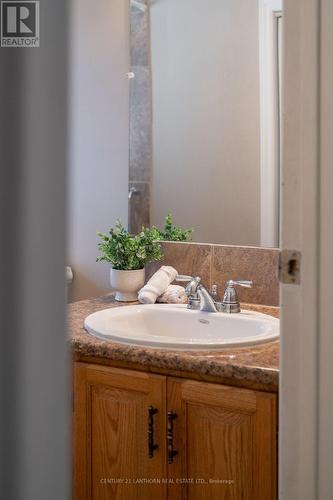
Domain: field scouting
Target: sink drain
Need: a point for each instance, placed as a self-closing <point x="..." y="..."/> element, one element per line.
<point x="204" y="321"/>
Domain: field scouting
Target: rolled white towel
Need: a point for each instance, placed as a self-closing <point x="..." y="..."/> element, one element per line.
<point x="157" y="285"/>
<point x="174" y="294"/>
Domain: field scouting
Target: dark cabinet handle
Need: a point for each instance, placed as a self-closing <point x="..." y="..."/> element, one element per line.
<point x="151" y="445"/>
<point x="171" y="452"/>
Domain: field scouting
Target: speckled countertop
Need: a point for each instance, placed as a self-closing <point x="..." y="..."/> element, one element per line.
<point x="251" y="367"/>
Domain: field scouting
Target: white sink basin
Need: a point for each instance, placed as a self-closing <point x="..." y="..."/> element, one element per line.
<point x="176" y="327"/>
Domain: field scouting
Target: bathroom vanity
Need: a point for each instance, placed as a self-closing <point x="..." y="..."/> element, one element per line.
<point x="160" y="424"/>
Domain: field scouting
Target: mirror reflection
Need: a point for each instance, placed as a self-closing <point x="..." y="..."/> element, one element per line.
<point x="205" y="94"/>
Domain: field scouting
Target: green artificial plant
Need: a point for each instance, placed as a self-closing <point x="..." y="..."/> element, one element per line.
<point x="174" y="233"/>
<point x="129" y="252"/>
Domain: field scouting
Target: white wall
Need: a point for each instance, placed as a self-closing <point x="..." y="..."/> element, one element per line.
<point x="206" y="135"/>
<point x="98" y="183"/>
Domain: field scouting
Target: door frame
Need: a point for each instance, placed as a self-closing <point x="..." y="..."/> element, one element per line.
<point x="269" y="124"/>
<point x="306" y="407"/>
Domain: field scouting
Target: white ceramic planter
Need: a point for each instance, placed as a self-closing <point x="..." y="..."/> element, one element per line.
<point x="127" y="284"/>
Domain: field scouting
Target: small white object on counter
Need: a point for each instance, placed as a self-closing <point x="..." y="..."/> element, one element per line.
<point x="69" y="275"/>
<point x="174" y="294"/>
<point x="157" y="285"/>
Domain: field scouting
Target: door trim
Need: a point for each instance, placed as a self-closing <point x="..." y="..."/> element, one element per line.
<point x="269" y="123"/>
<point x="298" y="442"/>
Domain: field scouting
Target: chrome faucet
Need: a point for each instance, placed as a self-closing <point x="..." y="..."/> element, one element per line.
<point x="198" y="295"/>
<point x="206" y="301"/>
<point x="191" y="291"/>
<point x="230" y="301"/>
<point x="200" y="298"/>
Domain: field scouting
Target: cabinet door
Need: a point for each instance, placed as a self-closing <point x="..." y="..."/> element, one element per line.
<point x="111" y="434"/>
<point x="226" y="442"/>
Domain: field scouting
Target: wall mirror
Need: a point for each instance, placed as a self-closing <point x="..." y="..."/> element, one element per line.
<point x="205" y="100"/>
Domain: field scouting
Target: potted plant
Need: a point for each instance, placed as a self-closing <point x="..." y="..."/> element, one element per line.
<point x="128" y="254"/>
<point x="170" y="232"/>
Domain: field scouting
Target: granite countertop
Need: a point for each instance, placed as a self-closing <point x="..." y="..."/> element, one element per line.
<point x="251" y="367"/>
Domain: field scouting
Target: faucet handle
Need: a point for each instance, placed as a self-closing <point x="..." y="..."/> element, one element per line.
<point x="191" y="290"/>
<point x="230" y="302"/>
<point x="243" y="283"/>
<point x="192" y="287"/>
<point x="183" y="277"/>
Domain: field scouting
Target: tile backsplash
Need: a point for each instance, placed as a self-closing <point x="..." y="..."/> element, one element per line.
<point x="216" y="264"/>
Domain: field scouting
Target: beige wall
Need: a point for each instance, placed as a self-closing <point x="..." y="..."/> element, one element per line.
<point x="206" y="136"/>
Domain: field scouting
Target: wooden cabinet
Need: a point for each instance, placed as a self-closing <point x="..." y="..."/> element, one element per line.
<point x="111" y="459"/>
<point x="226" y="439"/>
<point x="214" y="442"/>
